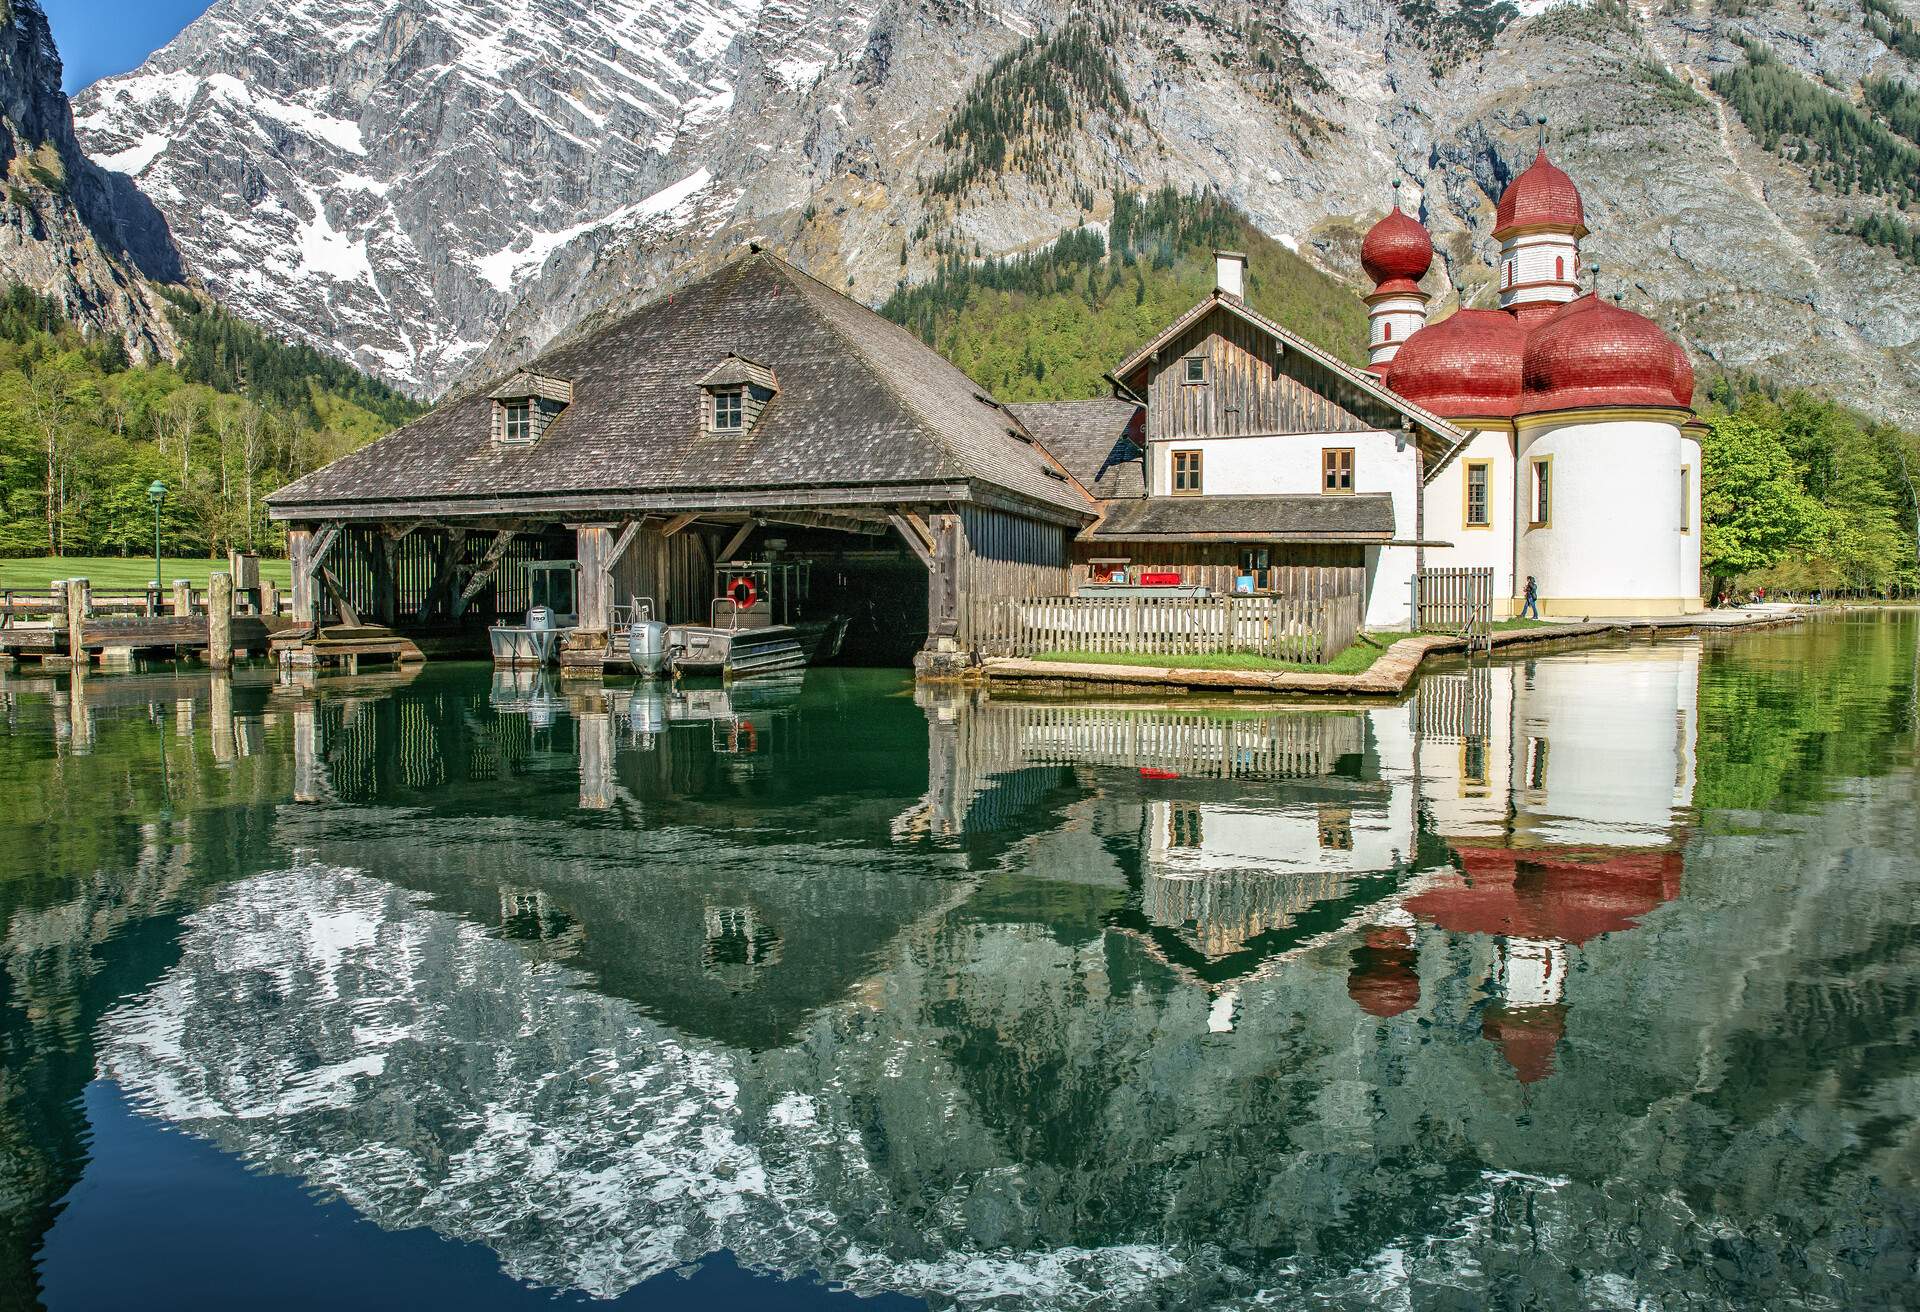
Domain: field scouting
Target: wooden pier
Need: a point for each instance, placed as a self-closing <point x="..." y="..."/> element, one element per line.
<point x="70" y="622"/>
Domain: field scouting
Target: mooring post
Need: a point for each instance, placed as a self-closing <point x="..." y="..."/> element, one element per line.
<point x="220" y="621"/>
<point x="182" y="598"/>
<point x="79" y="594"/>
<point x="220" y="711"/>
<point x="269" y="596"/>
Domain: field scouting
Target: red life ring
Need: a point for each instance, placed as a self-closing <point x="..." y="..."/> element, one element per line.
<point x="742" y="592"/>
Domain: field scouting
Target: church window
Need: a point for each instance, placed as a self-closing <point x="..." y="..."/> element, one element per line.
<point x="1386" y="331"/>
<point x="1336" y="469"/>
<point x="1559" y="268"/>
<point x="1536" y="765"/>
<point x="1479" y="475"/>
<point x="1686" y="498"/>
<point x="1509" y="273"/>
<point x="1473" y="766"/>
<point x="1542" y="492"/>
<point x="1186" y="473"/>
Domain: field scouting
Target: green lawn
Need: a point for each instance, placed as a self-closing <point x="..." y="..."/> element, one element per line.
<point x="1356" y="659"/>
<point x="119" y="573"/>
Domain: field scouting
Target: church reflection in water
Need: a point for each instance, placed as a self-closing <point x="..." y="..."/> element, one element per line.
<point x="889" y="985"/>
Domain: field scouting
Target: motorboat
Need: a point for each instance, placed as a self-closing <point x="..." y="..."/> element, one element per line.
<point x="757" y="625"/>
<point x="553" y="590"/>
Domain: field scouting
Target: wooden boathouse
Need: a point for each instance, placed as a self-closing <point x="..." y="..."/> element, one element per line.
<point x="754" y="414"/>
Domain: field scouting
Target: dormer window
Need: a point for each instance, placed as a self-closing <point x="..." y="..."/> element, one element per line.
<point x="526" y="405"/>
<point x="518" y="420"/>
<point x="735" y="394"/>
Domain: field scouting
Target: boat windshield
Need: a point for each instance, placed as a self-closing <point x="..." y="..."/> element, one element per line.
<point x="552" y="587"/>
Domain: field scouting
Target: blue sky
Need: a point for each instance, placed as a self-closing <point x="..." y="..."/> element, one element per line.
<point x="99" y="37"/>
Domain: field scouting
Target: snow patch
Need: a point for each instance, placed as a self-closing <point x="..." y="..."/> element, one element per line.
<point x="503" y="268"/>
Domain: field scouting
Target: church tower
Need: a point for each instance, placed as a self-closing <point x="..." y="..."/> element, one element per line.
<point x="1396" y="253"/>
<point x="1539" y="224"/>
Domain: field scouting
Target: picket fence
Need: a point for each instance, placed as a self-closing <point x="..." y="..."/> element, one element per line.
<point x="1308" y="630"/>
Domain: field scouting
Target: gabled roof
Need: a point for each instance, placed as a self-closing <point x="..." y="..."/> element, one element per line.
<point x="1359" y="379"/>
<point x="524" y="385"/>
<point x="736" y="372"/>
<point x="1097" y="441"/>
<point x="866" y="410"/>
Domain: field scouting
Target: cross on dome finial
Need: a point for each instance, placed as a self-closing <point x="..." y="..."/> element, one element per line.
<point x="1593" y="271"/>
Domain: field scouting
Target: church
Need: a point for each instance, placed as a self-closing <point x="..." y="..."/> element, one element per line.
<point x="1550" y="438"/>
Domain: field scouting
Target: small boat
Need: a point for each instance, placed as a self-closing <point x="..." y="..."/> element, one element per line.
<point x="756" y="625"/>
<point x="552" y="587"/>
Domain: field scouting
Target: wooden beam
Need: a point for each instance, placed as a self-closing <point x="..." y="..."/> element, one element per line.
<point x="446" y="572"/>
<point x="329" y="534"/>
<point x="920" y="527"/>
<point x="489" y="565"/>
<point x="348" y="615"/>
<point x="679" y="522"/>
<point x="917" y="544"/>
<point x="621" y="543"/>
<point x="737" y="541"/>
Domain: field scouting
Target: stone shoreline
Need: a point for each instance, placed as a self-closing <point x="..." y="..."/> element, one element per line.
<point x="1388" y="676"/>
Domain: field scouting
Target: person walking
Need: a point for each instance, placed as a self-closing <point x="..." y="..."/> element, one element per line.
<point x="1531" y="611"/>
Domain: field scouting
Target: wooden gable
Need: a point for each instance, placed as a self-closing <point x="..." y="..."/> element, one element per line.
<point x="1251" y="383"/>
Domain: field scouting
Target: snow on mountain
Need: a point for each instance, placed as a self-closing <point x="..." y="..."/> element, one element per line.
<point x="435" y="188"/>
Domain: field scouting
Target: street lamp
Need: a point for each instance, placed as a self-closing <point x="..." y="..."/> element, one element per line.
<point x="156" y="493"/>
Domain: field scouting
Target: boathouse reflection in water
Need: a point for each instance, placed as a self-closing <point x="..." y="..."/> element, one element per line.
<point x="990" y="999"/>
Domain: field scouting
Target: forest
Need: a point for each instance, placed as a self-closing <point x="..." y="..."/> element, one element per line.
<point x="84" y="431"/>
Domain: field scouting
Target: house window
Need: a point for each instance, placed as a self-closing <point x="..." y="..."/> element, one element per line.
<point x="1195" y="369"/>
<point x="1473" y="765"/>
<point x="1336" y="469"/>
<point x="1686" y="498"/>
<point x="727" y="411"/>
<point x="517" y="418"/>
<point x="1255" y="564"/>
<point x="1186" y="473"/>
<point x="1183" y="825"/>
<point x="1336" y="828"/>
<point x="1477" y="515"/>
<point x="1542" y="492"/>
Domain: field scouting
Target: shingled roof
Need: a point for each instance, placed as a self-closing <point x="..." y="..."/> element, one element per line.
<point x="1309" y="517"/>
<point x="1098" y="441"/>
<point x="866" y="410"/>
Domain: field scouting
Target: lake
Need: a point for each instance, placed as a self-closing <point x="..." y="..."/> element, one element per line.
<point x="1589" y="978"/>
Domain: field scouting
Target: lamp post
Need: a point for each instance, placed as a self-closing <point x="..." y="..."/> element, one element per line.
<point x="156" y="493"/>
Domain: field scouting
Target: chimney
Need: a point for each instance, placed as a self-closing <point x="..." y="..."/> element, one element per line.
<point x="1230" y="273"/>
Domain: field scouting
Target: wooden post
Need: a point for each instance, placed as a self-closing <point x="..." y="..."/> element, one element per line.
<point x="220" y="621"/>
<point x="269" y="596"/>
<point x="595" y="756"/>
<point x="220" y="711"/>
<point x="79" y="601"/>
<point x="386" y="591"/>
<point x="299" y="550"/>
<point x="594" y="551"/>
<point x="182" y="598"/>
<point x="79" y="714"/>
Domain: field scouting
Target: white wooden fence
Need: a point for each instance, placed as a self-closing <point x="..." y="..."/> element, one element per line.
<point x="1456" y="601"/>
<point x="1309" y="630"/>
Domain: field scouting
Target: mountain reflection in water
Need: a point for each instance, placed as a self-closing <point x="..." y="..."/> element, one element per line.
<point x="1585" y="980"/>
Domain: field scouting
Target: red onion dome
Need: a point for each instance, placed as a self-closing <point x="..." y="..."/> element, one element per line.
<point x="1595" y="354"/>
<point x="1682" y="377"/>
<point x="1467" y="366"/>
<point x="1395" y="248"/>
<point x="1528" y="1037"/>
<point x="1541" y="197"/>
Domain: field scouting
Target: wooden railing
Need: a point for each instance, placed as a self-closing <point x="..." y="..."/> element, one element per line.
<point x="1456" y="601"/>
<point x="1307" y="630"/>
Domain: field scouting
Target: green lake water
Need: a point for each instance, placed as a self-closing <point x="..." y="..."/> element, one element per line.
<point x="1585" y="979"/>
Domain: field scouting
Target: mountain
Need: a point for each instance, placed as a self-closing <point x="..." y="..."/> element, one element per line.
<point x="432" y="188"/>
<point x="70" y="231"/>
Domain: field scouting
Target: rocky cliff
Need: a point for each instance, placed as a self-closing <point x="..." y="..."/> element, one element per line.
<point x="434" y="188"/>
<point x="70" y="230"/>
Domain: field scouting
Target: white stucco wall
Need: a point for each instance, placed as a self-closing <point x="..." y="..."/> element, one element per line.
<point x="1532" y="256"/>
<point x="1475" y="548"/>
<point x="1690" y="581"/>
<point x="1615" y="518"/>
<point x="1390" y="321"/>
<point x="1290" y="463"/>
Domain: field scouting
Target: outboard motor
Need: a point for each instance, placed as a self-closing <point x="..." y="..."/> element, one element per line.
<point x="646" y="640"/>
<point x="539" y="618"/>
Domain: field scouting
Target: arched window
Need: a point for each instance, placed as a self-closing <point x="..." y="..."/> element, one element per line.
<point x="1387" y="331"/>
<point x="1559" y="268"/>
<point x="1509" y="273"/>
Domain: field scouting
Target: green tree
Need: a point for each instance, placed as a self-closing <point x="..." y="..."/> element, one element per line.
<point x="1753" y="506"/>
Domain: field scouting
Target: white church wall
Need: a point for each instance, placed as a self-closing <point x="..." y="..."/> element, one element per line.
<point x="1690" y="581"/>
<point x="1609" y="546"/>
<point x="1539" y="266"/>
<point x="1490" y="547"/>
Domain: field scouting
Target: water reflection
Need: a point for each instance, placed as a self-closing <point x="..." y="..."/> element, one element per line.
<point x="1040" y="1004"/>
